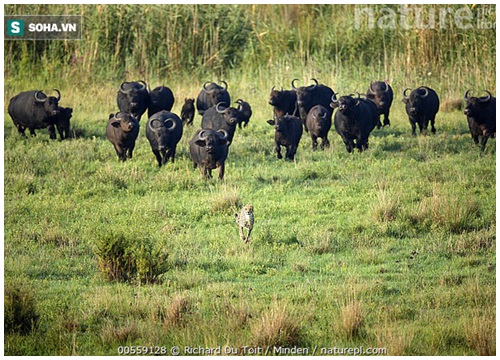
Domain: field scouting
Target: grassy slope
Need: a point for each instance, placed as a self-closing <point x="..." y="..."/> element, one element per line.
<point x="394" y="247"/>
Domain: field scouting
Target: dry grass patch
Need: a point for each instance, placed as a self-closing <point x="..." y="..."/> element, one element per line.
<point x="351" y="317"/>
<point x="277" y="327"/>
<point x="481" y="333"/>
<point x="226" y="201"/>
<point x="386" y="207"/>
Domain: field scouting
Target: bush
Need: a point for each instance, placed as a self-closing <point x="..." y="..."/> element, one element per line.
<point x="122" y="259"/>
<point x="19" y="309"/>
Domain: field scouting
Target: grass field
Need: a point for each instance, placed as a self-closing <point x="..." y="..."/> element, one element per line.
<point x="392" y="249"/>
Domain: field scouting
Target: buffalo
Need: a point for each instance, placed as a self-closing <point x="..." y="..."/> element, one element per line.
<point x="217" y="118"/>
<point x="422" y="106"/>
<point x="380" y="92"/>
<point x="133" y="97"/>
<point x="481" y="116"/>
<point x="163" y="131"/>
<point x="245" y="112"/>
<point x="288" y="131"/>
<point x="62" y="123"/>
<point x="354" y="120"/>
<point x="211" y="95"/>
<point x="34" y="110"/>
<point x="284" y="102"/>
<point x="309" y="96"/>
<point x="160" y="98"/>
<point x="122" y="130"/>
<point x="209" y="149"/>
<point x="187" y="112"/>
<point x="319" y="122"/>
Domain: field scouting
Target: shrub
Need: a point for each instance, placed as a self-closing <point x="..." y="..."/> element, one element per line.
<point x="122" y="259"/>
<point x="20" y="314"/>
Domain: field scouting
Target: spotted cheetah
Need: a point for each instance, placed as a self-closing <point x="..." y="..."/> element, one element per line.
<point x="245" y="219"/>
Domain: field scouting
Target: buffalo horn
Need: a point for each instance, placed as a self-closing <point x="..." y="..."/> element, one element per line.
<point x="144" y="85"/>
<point x="426" y="92"/>
<point x="123" y="90"/>
<point x="58" y="94"/>
<point x="39" y="100"/>
<point x="201" y="136"/>
<point x="466" y="95"/>
<point x="293" y="84"/>
<point x="205" y="88"/>
<point x="315" y="83"/>
<point x="334" y="99"/>
<point x="370" y="89"/>
<point x="217" y="108"/>
<point x="224" y="133"/>
<point x="404" y="93"/>
<point x="386" y="86"/>
<point x="155" y="129"/>
<point x="174" y="124"/>
<point x="273" y="88"/>
<point x="225" y="84"/>
<point x="485" y="98"/>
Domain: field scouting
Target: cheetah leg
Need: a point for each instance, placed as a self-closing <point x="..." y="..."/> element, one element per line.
<point x="247" y="240"/>
<point x="242" y="234"/>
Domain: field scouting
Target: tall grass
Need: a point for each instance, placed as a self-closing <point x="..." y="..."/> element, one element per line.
<point x="173" y="41"/>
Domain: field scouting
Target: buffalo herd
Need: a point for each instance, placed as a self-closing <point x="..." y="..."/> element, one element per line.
<point x="307" y="108"/>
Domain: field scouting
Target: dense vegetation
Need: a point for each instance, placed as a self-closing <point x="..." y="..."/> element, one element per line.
<point x="391" y="248"/>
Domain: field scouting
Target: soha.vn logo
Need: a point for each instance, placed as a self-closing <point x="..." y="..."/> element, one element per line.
<point x="15" y="27"/>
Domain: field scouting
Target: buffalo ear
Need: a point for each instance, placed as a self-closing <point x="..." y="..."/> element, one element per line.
<point x="111" y="116"/>
<point x="200" y="142"/>
<point x="271" y="122"/>
<point x="115" y="124"/>
<point x="405" y="100"/>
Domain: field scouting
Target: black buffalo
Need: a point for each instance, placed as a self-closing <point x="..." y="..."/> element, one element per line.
<point x="160" y="98"/>
<point x="380" y="92"/>
<point x="163" y="131"/>
<point x="133" y="97"/>
<point x="288" y="131"/>
<point x="309" y="96"/>
<point x="245" y="112"/>
<point x="34" y="110"/>
<point x="122" y="130"/>
<point x="354" y="120"/>
<point x="211" y="95"/>
<point x="481" y="115"/>
<point x="422" y="106"/>
<point x="187" y="112"/>
<point x="319" y="122"/>
<point x="62" y="123"/>
<point x="217" y="117"/>
<point x="208" y="149"/>
<point x="284" y="102"/>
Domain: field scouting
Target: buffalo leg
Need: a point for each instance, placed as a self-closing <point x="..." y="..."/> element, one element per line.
<point x="158" y="157"/>
<point x="413" y="128"/>
<point x="379" y="124"/>
<point x="278" y="150"/>
<point x="165" y="154"/>
<point x="32" y="132"/>
<point x="387" y="122"/>
<point x="290" y="152"/>
<point x="220" y="167"/>
<point x="483" y="142"/>
<point x="52" y="131"/>
<point x="130" y="151"/>
<point x="120" y="152"/>
<point x="22" y="129"/>
<point x="433" y="129"/>
<point x="314" y="142"/>
<point x="325" y="143"/>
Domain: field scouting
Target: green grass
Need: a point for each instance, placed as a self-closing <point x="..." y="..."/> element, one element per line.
<point x="393" y="247"/>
